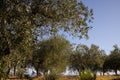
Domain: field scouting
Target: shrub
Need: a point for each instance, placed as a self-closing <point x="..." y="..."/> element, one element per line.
<point x="87" y="74"/>
<point x="27" y="76"/>
<point x="51" y="77"/>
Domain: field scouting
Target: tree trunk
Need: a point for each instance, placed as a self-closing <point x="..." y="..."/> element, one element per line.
<point x="14" y="70"/>
<point x="100" y="73"/>
<point x="115" y="72"/>
<point x="103" y="70"/>
<point x="8" y="71"/>
<point x="103" y="74"/>
<point x="37" y="70"/>
<point x="78" y="70"/>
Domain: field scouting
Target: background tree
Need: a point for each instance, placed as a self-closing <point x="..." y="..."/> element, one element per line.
<point x="112" y="61"/>
<point x="77" y="60"/>
<point x="96" y="57"/>
<point x="85" y="57"/>
<point x="100" y="59"/>
<point x="51" y="54"/>
<point x="93" y="53"/>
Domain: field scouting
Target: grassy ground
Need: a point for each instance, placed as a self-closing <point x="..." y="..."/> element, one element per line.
<point x="71" y="78"/>
<point x="108" y="78"/>
<point x="77" y="78"/>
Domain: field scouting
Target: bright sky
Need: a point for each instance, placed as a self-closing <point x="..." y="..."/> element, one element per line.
<point x="106" y="26"/>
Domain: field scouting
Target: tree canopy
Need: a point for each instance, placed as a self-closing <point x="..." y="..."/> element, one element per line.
<point x="20" y="19"/>
<point x="51" y="55"/>
<point x="112" y="62"/>
<point x="85" y="57"/>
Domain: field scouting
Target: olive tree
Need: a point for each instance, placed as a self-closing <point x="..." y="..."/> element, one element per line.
<point x="84" y="57"/>
<point x="77" y="60"/>
<point x="51" y="55"/>
<point x="112" y="61"/>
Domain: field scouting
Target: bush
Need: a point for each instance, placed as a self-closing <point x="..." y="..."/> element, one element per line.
<point x="27" y="76"/>
<point x="51" y="77"/>
<point x="87" y="74"/>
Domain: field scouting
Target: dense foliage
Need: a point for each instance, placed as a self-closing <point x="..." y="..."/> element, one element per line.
<point x="85" y="57"/>
<point x="51" y="55"/>
<point x="23" y="21"/>
<point x="112" y="62"/>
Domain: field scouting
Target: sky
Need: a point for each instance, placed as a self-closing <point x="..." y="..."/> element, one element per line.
<point x="106" y="25"/>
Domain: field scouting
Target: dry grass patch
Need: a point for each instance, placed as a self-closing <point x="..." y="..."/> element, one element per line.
<point x="69" y="78"/>
<point x="108" y="78"/>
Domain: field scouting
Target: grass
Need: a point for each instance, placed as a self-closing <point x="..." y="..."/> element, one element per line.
<point x="108" y="78"/>
<point x="71" y="78"/>
<point x="77" y="78"/>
